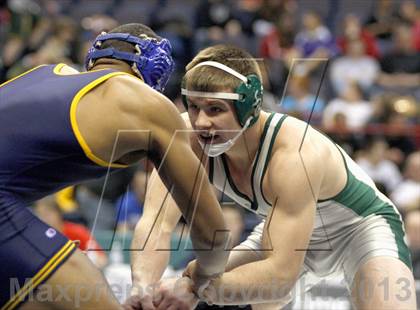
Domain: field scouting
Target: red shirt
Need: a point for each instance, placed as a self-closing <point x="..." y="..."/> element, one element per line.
<point x="369" y="41"/>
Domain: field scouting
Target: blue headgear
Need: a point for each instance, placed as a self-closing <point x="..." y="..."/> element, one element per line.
<point x="152" y="62"/>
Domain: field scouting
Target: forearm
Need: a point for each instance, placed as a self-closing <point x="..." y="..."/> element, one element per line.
<point x="147" y="262"/>
<point x="241" y="255"/>
<point x="202" y="212"/>
<point x="186" y="178"/>
<point x="211" y="257"/>
<point x="152" y="235"/>
<point x="253" y="283"/>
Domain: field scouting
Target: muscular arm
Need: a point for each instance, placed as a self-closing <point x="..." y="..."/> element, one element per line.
<point x="182" y="172"/>
<point x="184" y="176"/>
<point x="287" y="233"/>
<point x="153" y="233"/>
<point x="125" y="117"/>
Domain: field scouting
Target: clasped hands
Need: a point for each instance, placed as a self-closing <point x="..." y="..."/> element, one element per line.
<point x="173" y="294"/>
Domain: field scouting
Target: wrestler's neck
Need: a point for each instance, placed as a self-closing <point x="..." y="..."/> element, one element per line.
<point x="243" y="152"/>
<point x="113" y="64"/>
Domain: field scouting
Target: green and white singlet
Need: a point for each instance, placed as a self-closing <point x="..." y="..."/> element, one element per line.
<point x="349" y="228"/>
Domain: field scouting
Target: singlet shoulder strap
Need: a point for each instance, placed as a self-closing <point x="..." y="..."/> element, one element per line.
<point x="264" y="155"/>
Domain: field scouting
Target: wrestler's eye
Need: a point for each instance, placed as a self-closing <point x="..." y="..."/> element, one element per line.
<point x="192" y="106"/>
<point x="215" y="109"/>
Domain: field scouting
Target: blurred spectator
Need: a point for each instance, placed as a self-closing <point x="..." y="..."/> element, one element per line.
<point x="407" y="12"/>
<point x="212" y="13"/>
<point x="48" y="211"/>
<point x="382" y="107"/>
<point x="299" y="101"/>
<point x="406" y="196"/>
<point x="57" y="47"/>
<point x="66" y="200"/>
<point x="4" y="16"/>
<point x="315" y="40"/>
<point x="401" y="67"/>
<point x="178" y="32"/>
<point x="401" y="134"/>
<point x="354" y="66"/>
<point x="216" y="24"/>
<point x="380" y="22"/>
<point x="270" y="100"/>
<point x="247" y="13"/>
<point x="129" y="206"/>
<point x="279" y="41"/>
<point x="353" y="30"/>
<point x="91" y="27"/>
<point x="24" y="15"/>
<point x="69" y="207"/>
<point x="375" y="163"/>
<point x="271" y="10"/>
<point x="339" y="132"/>
<point x="277" y="49"/>
<point x="351" y="105"/>
<point x="397" y="117"/>
<point x="412" y="229"/>
<point x="416" y="30"/>
<point x="316" y="44"/>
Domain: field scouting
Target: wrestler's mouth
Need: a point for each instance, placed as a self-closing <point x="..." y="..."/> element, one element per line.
<point x="208" y="138"/>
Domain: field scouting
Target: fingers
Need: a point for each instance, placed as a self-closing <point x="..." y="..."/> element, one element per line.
<point x="200" y="285"/>
<point x="147" y="303"/>
<point x="176" y="304"/>
<point x="158" y="297"/>
<point x="168" y="294"/>
<point x="189" y="270"/>
<point x="175" y="294"/>
<point x="132" y="303"/>
<point x="139" y="303"/>
<point x="209" y="294"/>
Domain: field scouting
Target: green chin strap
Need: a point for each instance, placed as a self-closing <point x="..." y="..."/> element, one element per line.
<point x="247" y="96"/>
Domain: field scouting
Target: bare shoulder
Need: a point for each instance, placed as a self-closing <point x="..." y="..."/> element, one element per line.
<point x="130" y="93"/>
<point x="299" y="152"/>
<point x="306" y="156"/>
<point x="126" y="109"/>
<point x="296" y="138"/>
<point x="138" y="105"/>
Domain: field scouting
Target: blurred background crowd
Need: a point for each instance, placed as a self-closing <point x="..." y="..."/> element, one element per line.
<point x="349" y="68"/>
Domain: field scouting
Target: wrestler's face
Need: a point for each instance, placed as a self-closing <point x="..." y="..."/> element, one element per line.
<point x="214" y="119"/>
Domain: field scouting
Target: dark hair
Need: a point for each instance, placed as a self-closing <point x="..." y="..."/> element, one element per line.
<point x="134" y="29"/>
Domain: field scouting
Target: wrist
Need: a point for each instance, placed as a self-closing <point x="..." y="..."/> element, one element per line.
<point x="203" y="273"/>
<point x="142" y="288"/>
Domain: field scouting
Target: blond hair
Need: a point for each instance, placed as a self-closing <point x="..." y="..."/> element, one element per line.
<point x="212" y="79"/>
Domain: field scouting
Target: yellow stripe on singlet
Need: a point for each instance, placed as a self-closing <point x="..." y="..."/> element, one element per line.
<point x="20" y="75"/>
<point x="40" y="276"/>
<point x="86" y="149"/>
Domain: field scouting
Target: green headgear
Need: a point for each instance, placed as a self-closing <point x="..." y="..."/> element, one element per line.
<point x="247" y="96"/>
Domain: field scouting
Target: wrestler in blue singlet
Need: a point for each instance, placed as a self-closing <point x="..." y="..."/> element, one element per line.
<point x="41" y="151"/>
